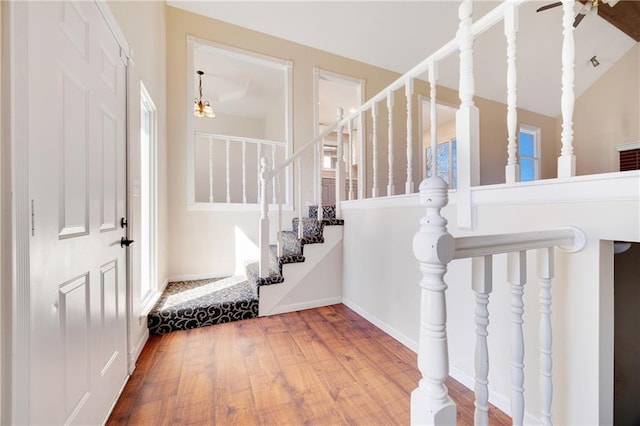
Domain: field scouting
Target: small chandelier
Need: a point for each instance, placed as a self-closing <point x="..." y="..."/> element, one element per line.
<point x="202" y="109"/>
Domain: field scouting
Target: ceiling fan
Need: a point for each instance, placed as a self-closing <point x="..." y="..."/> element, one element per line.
<point x="589" y="5"/>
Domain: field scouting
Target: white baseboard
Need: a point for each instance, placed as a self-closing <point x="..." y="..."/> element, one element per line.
<point x="202" y="276"/>
<point x="408" y="342"/>
<point x="500" y="401"/>
<point x="306" y="305"/>
<point x="137" y="350"/>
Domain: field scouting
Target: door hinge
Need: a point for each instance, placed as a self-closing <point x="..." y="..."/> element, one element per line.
<point x="33" y="219"/>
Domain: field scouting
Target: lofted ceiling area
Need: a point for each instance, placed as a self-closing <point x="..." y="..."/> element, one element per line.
<point x="397" y="35"/>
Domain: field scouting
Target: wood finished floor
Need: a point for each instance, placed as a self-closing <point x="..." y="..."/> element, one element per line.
<point x="324" y="366"/>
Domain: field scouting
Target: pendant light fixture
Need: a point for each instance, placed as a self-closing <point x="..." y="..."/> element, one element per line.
<point x="202" y="109"/>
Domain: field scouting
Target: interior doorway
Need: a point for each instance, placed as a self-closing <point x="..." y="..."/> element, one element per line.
<point x="334" y="91"/>
<point x="626" y="344"/>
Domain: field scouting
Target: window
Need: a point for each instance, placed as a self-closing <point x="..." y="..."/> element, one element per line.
<point x="447" y="162"/>
<point x="147" y="195"/>
<point x="630" y="159"/>
<point x="529" y="153"/>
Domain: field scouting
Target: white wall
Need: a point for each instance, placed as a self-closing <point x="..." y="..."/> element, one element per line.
<point x="381" y="279"/>
<point x="148" y="44"/>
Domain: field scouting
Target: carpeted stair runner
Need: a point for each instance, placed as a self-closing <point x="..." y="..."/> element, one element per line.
<point x="190" y="304"/>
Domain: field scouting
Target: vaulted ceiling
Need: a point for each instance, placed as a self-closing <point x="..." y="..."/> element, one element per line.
<point x="398" y="34"/>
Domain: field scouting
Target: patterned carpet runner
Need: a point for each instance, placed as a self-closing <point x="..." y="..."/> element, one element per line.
<point x="189" y="304"/>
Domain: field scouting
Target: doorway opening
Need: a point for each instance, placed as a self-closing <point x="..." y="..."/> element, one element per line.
<point x="334" y="91"/>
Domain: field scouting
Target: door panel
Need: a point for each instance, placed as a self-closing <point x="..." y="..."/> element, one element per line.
<point x="77" y="146"/>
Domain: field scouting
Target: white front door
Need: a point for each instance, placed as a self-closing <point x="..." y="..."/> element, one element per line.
<point x="77" y="183"/>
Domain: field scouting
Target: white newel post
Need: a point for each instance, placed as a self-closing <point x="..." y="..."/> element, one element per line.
<point x="434" y="248"/>
<point x="408" y="91"/>
<point x="482" y="282"/>
<point x="545" y="263"/>
<point x="517" y="277"/>
<point x="567" y="160"/>
<point x="390" y="186"/>
<point x="375" y="191"/>
<point x="467" y="121"/>
<point x="264" y="219"/>
<point x="340" y="168"/>
<point x="512" y="172"/>
<point x="279" y="201"/>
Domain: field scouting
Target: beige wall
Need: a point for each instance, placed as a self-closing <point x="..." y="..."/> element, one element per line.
<point x="149" y="49"/>
<point x="205" y="242"/>
<point x="493" y="136"/>
<point x="606" y="115"/>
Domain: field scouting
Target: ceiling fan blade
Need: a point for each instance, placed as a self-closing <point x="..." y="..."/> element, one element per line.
<point x="583" y="12"/>
<point x="579" y="18"/>
<point x="549" y="6"/>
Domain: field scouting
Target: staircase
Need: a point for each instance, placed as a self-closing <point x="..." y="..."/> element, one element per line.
<point x="313" y="279"/>
<point x="190" y="304"/>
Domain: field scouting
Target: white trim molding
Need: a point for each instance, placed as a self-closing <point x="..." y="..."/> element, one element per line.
<point x="628" y="146"/>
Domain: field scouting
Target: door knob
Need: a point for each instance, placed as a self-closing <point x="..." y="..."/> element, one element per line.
<point x="125" y="242"/>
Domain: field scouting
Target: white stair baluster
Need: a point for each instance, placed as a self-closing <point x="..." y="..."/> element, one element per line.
<point x="567" y="161"/>
<point x="433" y="76"/>
<point x="340" y="168"/>
<point x="545" y="274"/>
<point x="321" y="165"/>
<point x="408" y="91"/>
<point x="210" y="169"/>
<point x="279" y="202"/>
<point x="512" y="172"/>
<point x="264" y="220"/>
<point x="350" y="154"/>
<point x="361" y="157"/>
<point x="482" y="282"/>
<point x="467" y="121"/>
<point x="258" y="157"/>
<point x="390" y="186"/>
<point x="517" y="277"/>
<point x="434" y="248"/>
<point x="375" y="191"/>
<point x="228" y="171"/>
<point x="273" y="161"/>
<point x="244" y="172"/>
<point x="299" y="166"/>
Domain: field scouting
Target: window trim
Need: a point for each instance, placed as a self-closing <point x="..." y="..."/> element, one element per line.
<point x="537" y="154"/>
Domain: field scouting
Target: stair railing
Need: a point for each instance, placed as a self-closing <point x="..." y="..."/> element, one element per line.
<point x="434" y="248"/>
<point x="215" y="174"/>
<point x="467" y="124"/>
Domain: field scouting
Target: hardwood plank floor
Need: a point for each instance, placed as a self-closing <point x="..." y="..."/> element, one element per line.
<point x="324" y="366"/>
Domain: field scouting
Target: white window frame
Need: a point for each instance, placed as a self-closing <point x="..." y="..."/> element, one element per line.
<point x="147" y="106"/>
<point x="536" y="133"/>
<point x="287" y="67"/>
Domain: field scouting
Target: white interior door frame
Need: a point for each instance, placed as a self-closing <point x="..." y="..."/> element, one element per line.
<point x="16" y="224"/>
<point x="359" y="84"/>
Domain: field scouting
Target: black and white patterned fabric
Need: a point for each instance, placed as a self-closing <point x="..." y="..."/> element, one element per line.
<point x="189" y="304"/>
<point x="328" y="212"/>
